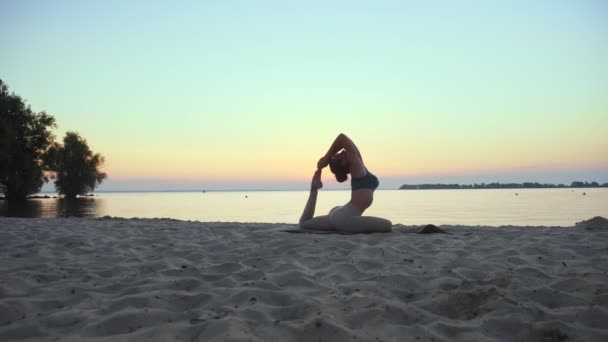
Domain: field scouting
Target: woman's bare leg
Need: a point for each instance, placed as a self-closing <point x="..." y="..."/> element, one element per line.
<point x="348" y="219"/>
<point x="365" y="224"/>
<point x="309" y="209"/>
<point x="307" y="220"/>
<point x="317" y="223"/>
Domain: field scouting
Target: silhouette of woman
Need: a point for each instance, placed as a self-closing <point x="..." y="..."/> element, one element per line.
<point x="344" y="158"/>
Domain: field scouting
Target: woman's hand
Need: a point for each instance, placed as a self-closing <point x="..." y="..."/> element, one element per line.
<point x="323" y="162"/>
<point x="316" y="183"/>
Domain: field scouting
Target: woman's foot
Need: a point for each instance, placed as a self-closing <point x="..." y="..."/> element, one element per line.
<point x="316" y="183"/>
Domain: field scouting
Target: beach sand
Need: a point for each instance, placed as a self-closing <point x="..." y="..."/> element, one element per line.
<point x="114" y="279"/>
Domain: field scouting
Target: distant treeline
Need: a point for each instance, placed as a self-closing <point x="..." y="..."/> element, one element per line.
<point x="527" y="185"/>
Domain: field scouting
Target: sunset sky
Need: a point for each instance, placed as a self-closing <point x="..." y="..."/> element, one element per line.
<point x="250" y="94"/>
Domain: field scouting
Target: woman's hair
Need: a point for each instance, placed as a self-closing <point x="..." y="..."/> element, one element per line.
<point x="339" y="170"/>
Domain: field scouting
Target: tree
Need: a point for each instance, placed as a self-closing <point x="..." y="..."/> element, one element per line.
<point x="24" y="138"/>
<point x="577" y="184"/>
<point x="76" y="166"/>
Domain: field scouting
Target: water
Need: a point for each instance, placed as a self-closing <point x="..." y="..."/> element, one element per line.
<point x="549" y="207"/>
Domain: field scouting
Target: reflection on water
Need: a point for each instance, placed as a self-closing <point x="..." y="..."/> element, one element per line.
<point x="49" y="208"/>
<point x="549" y="207"/>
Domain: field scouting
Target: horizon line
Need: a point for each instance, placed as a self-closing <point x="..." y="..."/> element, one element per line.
<point x="565" y="186"/>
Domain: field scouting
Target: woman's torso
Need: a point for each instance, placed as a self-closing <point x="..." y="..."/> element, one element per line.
<point x="362" y="194"/>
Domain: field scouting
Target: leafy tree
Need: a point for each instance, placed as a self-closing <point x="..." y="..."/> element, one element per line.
<point x="24" y="138"/>
<point x="76" y="166"/>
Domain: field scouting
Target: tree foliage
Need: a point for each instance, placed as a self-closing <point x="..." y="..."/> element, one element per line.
<point x="76" y="166"/>
<point x="24" y="138"/>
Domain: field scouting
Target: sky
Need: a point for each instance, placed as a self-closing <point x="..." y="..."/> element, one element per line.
<point x="250" y="94"/>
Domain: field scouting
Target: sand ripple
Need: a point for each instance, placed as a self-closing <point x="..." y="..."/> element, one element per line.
<point x="163" y="280"/>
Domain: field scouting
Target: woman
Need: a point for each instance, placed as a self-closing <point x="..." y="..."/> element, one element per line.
<point x="344" y="158"/>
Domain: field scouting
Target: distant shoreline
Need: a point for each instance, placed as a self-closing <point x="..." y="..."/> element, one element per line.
<point x="54" y="195"/>
<point x="482" y="186"/>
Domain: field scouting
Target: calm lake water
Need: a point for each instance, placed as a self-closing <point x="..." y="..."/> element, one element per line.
<point x="551" y="207"/>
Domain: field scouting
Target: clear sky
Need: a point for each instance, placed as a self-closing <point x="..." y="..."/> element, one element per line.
<point x="250" y="94"/>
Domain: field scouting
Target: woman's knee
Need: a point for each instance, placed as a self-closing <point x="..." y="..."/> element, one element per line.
<point x="316" y="223"/>
<point x="384" y="224"/>
<point x="308" y="224"/>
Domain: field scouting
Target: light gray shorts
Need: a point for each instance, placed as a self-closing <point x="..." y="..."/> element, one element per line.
<point x="339" y="215"/>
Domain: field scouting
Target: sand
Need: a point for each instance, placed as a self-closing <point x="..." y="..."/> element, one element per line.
<point x="162" y="280"/>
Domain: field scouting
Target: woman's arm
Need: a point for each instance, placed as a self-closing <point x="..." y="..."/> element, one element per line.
<point x="341" y="142"/>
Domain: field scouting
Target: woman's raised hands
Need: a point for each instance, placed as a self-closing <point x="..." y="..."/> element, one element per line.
<point x="323" y="162"/>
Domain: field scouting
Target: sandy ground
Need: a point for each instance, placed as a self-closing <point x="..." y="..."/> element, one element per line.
<point x="161" y="280"/>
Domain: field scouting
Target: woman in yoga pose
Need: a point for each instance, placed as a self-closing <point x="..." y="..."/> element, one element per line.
<point x="344" y="158"/>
